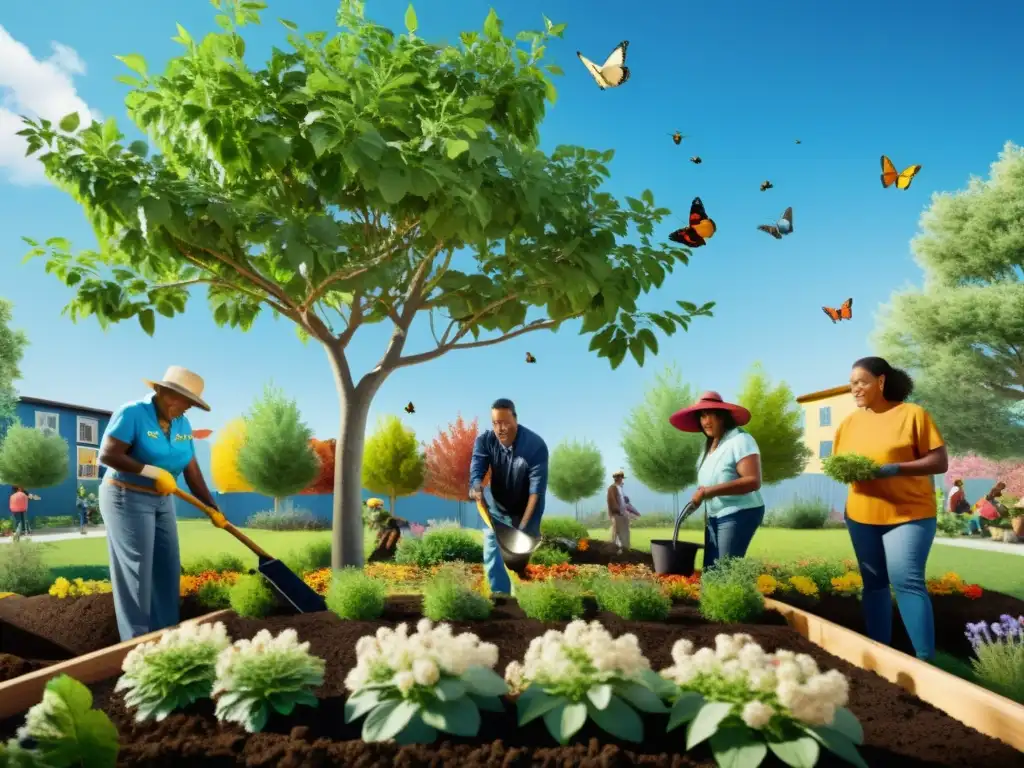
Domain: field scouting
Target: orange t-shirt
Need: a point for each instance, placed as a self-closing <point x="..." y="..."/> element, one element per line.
<point x="19" y="502"/>
<point x="901" y="434"/>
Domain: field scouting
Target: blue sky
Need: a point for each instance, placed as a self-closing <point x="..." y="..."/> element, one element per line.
<point x="851" y="81"/>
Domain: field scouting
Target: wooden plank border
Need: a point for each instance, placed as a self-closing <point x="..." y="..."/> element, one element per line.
<point x="21" y="693"/>
<point x="972" y="705"/>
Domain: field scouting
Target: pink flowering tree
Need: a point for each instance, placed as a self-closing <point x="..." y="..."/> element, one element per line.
<point x="970" y="466"/>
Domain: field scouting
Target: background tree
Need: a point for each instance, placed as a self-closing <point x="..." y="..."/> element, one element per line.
<point x="324" y="480"/>
<point x="447" y="458"/>
<point x="276" y="458"/>
<point x="12" y="348"/>
<point x="375" y="159"/>
<point x="962" y="335"/>
<point x="659" y="455"/>
<point x="393" y="464"/>
<point x="224" y="458"/>
<point x="575" y="472"/>
<point x="32" y="458"/>
<point x="775" y="425"/>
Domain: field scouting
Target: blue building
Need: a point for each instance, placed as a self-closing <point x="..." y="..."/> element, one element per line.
<point x="82" y="428"/>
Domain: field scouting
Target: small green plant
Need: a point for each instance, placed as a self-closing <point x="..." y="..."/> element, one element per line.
<point x="63" y="730"/>
<point x="820" y="570"/>
<point x="546" y="554"/>
<point x="632" y="600"/>
<point x="728" y="591"/>
<point x="554" y="600"/>
<point x="287" y="520"/>
<point x="801" y="514"/>
<point x="23" y="570"/>
<point x="263" y="675"/>
<point x="214" y="595"/>
<point x="999" y="655"/>
<point x="354" y="595"/>
<point x="949" y="524"/>
<point x="166" y="675"/>
<point x="447" y="597"/>
<point x="849" y="468"/>
<point x="219" y="563"/>
<point x="562" y="528"/>
<point x="312" y="557"/>
<point x="252" y="597"/>
<point x="437" y="547"/>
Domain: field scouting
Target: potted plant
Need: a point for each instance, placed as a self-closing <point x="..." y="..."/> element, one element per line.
<point x="1017" y="519"/>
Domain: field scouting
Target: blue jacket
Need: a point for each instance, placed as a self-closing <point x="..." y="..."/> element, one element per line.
<point x="517" y="472"/>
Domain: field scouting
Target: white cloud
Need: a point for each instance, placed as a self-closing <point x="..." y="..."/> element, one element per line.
<point x="37" y="88"/>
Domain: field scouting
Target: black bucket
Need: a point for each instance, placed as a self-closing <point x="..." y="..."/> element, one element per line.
<point x="672" y="556"/>
<point x="516" y="546"/>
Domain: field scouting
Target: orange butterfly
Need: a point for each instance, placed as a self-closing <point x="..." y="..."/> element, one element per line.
<point x="700" y="230"/>
<point x="845" y="312"/>
<point x="530" y="358"/>
<point x="201" y="434"/>
<point x="902" y="180"/>
<point x="410" y="408"/>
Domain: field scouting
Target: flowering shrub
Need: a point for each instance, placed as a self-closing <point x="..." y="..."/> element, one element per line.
<point x="631" y="572"/>
<point x="255" y="677"/>
<point x="804" y="585"/>
<point x="548" y="572"/>
<point x="320" y="580"/>
<point x="680" y="587"/>
<point x="999" y="655"/>
<point x="743" y="700"/>
<point x="62" y="588"/>
<point x="951" y="584"/>
<point x="850" y="584"/>
<point x="767" y="584"/>
<point x="192" y="583"/>
<point x="568" y="677"/>
<point x="374" y="503"/>
<point x="409" y="687"/>
<point x="583" y="545"/>
<point x="162" y="676"/>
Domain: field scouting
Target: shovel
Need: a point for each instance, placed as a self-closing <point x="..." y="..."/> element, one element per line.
<point x="514" y="545"/>
<point x="294" y="590"/>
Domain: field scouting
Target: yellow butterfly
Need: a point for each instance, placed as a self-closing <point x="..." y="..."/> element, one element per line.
<point x="902" y="180"/>
<point x="613" y="72"/>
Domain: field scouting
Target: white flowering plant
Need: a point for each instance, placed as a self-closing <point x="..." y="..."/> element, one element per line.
<point x="410" y="686"/>
<point x="263" y="675"/>
<point x="172" y="672"/>
<point x="584" y="673"/>
<point x="745" y="702"/>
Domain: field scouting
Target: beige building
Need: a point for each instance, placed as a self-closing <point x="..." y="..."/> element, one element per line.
<point x="823" y="412"/>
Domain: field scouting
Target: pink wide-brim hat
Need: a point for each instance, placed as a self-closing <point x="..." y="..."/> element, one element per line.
<point x="688" y="419"/>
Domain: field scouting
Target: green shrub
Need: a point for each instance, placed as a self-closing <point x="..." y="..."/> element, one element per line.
<point x="437" y="547"/>
<point x="553" y="600"/>
<point x="562" y="528"/>
<point x="599" y="520"/>
<point x="23" y="570"/>
<point x="287" y="520"/>
<point x="54" y="521"/>
<point x="220" y="563"/>
<point x="312" y="557"/>
<point x="949" y="524"/>
<point x="356" y="596"/>
<point x="548" y="555"/>
<point x="849" y="468"/>
<point x="632" y="600"/>
<point x="728" y="591"/>
<point x="447" y="597"/>
<point x="252" y="597"/>
<point x="214" y="595"/>
<point x="821" y="571"/>
<point x="800" y="514"/>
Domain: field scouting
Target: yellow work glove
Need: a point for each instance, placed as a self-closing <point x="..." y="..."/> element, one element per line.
<point x="218" y="519"/>
<point x="163" y="481"/>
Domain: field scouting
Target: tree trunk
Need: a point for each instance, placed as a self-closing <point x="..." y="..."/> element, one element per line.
<point x="277" y="506"/>
<point x="394" y="500"/>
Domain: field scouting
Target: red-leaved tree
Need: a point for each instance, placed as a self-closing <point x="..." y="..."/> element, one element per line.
<point x="324" y="482"/>
<point x="448" y="458"/>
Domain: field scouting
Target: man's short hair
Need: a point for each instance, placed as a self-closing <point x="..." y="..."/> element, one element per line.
<point x="504" y="404"/>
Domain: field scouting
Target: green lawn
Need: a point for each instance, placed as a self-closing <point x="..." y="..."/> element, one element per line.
<point x="992" y="570"/>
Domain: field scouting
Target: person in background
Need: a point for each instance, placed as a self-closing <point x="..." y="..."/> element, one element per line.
<point x="19" y="507"/>
<point x="987" y="509"/>
<point x="83" y="513"/>
<point x="146" y="445"/>
<point x="957" y="503"/>
<point x="728" y="475"/>
<point x="617" y="511"/>
<point x="892" y="518"/>
<point x="518" y="460"/>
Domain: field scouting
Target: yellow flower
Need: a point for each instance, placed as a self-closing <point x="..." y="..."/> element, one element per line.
<point x="850" y="583"/>
<point x="60" y="588"/>
<point x="804" y="585"/>
<point x="374" y="503"/>
<point x="767" y="584"/>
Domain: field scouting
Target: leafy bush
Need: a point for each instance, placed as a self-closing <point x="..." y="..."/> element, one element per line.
<point x="287" y="520"/>
<point x="32" y="458"/>
<point x="554" y="600"/>
<point x="447" y="597"/>
<point x="217" y="563"/>
<point x="800" y="514"/>
<point x="648" y="520"/>
<point x="445" y="524"/>
<point x="999" y="655"/>
<point x="821" y="571"/>
<point x="354" y="595"/>
<point x="849" y="468"/>
<point x="437" y="547"/>
<point x="548" y="555"/>
<point x="252" y="597"/>
<point x="54" y="521"/>
<point x="312" y="557"/>
<point x="728" y="591"/>
<point x="632" y="600"/>
<point x="949" y="524"/>
<point x="562" y="528"/>
<point x="214" y="595"/>
<point x="22" y="569"/>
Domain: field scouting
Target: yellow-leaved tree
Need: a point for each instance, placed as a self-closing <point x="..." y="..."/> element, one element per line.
<point x="393" y="462"/>
<point x="224" y="458"/>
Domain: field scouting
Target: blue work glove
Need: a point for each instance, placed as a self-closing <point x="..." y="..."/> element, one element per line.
<point x="887" y="470"/>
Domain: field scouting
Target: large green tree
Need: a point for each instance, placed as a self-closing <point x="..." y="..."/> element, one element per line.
<point x="962" y="334"/>
<point x="575" y="471"/>
<point x="357" y="178"/>
<point x="659" y="455"/>
<point x="775" y="425"/>
<point x="12" y="348"/>
<point x="394" y="463"/>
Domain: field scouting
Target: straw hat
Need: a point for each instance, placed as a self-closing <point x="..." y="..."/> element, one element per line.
<point x="618" y="473"/>
<point x="181" y="380"/>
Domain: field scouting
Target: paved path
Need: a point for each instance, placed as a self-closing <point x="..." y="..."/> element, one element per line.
<point x="985" y="544"/>
<point x="62" y="534"/>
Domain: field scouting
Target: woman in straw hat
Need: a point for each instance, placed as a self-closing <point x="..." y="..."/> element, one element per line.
<point x="728" y="475"/>
<point x="146" y="445"/>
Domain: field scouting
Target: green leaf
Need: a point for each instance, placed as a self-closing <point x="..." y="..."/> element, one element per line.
<point x="134" y="62"/>
<point x="388" y="719"/>
<point x="838" y="744"/>
<point x="455" y="147"/>
<point x="148" y="321"/>
<point x="554" y="69"/>
<point x="638" y="350"/>
<point x="70" y="122"/>
<point x="183" y="36"/>
<point x="706" y="722"/>
<point x="275" y="150"/>
<point x="450" y="689"/>
<point x="393" y="185"/>
<point x="71" y="732"/>
<point x="648" y="338"/>
<point x="417" y="732"/>
<point x="565" y="720"/>
<point x="684" y="710"/>
<point x="110" y="132"/>
<point x="848" y="725"/>
<point x="404" y="79"/>
<point x="359" y="703"/>
<point x="323" y="139"/>
<point x="801" y="752"/>
<point x="411" y="23"/>
<point x="139" y="149"/>
<point x="158" y="212"/>
<point x="484" y="682"/>
<point x="488" y="703"/>
<point x="289" y="25"/>
<point x="641" y="697"/>
<point x="492" y="26"/>
<point x="540" y="703"/>
<point x="619" y="719"/>
<point x="459" y="717"/>
<point x="737" y="748"/>
<point x="600" y="695"/>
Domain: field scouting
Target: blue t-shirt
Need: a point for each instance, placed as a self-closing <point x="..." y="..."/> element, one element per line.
<point x="720" y="467"/>
<point x="517" y="472"/>
<point x="136" y="424"/>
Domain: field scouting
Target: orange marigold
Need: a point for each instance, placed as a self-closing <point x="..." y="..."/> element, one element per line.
<point x="582" y="545"/>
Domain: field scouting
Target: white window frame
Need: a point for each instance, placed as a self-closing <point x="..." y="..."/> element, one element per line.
<point x="94" y="423"/>
<point x="41" y="422"/>
<point x="94" y="467"/>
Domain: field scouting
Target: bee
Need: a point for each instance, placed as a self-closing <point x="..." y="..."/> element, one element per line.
<point x="530" y="358"/>
<point x="677" y="138"/>
<point x="766" y="185"/>
<point x="410" y="408"/>
<point x="799" y="142"/>
<point x="696" y="160"/>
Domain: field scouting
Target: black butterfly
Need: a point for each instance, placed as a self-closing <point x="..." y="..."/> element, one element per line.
<point x="766" y="185"/>
<point x="410" y="408"/>
<point x="530" y="358"/>
<point x="696" y="160"/>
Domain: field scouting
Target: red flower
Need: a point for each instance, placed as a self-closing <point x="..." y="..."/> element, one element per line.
<point x="972" y="591"/>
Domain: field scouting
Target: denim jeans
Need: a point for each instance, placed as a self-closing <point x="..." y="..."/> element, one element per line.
<point x="20" y="526"/>
<point x="494" y="566"/>
<point x="729" y="536"/>
<point x="896" y="555"/>
<point x="974" y="524"/>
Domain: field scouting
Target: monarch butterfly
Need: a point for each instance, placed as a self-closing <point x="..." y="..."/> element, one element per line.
<point x="530" y="358"/>
<point x="903" y="179"/>
<point x="784" y="226"/>
<point x="700" y="230"/>
<point x="677" y="138"/>
<point x="410" y="408"/>
<point x="613" y="72"/>
<point x="766" y="185"/>
<point x="696" y="160"/>
<point x="201" y="434"/>
<point x="845" y="312"/>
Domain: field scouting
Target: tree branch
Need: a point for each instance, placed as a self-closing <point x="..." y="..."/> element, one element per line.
<point x="355" y="319"/>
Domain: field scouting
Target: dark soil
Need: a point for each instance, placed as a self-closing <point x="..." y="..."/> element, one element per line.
<point x="606" y="553"/>
<point x="900" y="729"/>
<point x="15" y="666"/>
<point x="952" y="613"/>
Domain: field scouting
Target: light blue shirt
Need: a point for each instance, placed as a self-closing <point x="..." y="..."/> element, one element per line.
<point x="720" y="467"/>
<point x="136" y="424"/>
